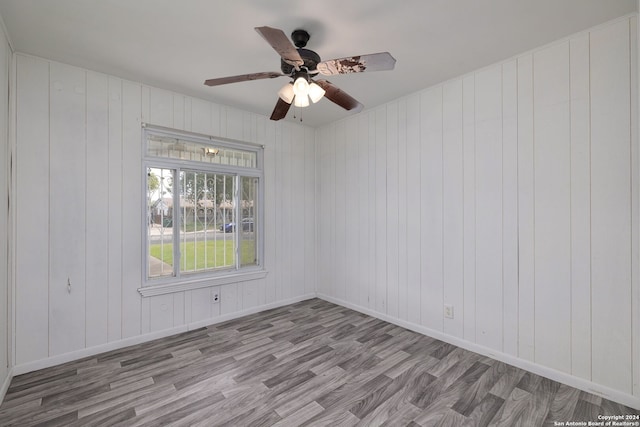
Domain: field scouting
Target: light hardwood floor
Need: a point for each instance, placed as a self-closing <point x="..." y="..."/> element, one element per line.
<point x="310" y="363"/>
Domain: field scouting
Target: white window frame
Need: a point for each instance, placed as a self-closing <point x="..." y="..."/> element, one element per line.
<point x="179" y="282"/>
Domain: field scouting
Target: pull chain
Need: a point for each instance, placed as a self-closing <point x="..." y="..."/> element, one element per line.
<point x="294" y="113"/>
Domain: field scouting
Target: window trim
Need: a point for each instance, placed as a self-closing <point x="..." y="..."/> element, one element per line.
<point x="178" y="283"/>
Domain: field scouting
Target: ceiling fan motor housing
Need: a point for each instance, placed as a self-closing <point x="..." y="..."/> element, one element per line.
<point x="300" y="38"/>
<point x="310" y="58"/>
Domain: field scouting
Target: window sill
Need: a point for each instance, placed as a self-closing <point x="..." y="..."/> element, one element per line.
<point x="169" y="288"/>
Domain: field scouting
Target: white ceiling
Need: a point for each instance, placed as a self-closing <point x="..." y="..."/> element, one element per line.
<point x="177" y="44"/>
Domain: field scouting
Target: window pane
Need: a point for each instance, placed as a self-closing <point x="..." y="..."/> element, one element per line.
<point x="207" y="221"/>
<point x="175" y="148"/>
<point x="248" y="232"/>
<point x="160" y="222"/>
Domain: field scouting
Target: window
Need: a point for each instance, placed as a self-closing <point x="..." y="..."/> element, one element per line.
<point x="203" y="207"/>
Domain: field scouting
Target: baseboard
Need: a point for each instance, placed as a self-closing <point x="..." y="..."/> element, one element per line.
<point x="139" y="339"/>
<point x="562" y="377"/>
<point x="5" y="384"/>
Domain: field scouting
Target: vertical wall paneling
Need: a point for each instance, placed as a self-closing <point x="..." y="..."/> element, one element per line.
<point x="6" y="150"/>
<point x="322" y="229"/>
<point x="431" y="207"/>
<point x="160" y="107"/>
<point x="145" y="104"/>
<point x="552" y="159"/>
<point x="222" y="119"/>
<point x="283" y="186"/>
<point x="97" y="209"/>
<point x="413" y="216"/>
<point x="188" y="306"/>
<point x="488" y="144"/>
<point x="32" y="199"/>
<point x="131" y="208"/>
<point x="249" y="294"/>
<point x="403" y="225"/>
<point x="340" y="207"/>
<point x="201" y="117"/>
<point x="380" y="135"/>
<point x="178" y="112"/>
<point x="297" y="205"/>
<point x="364" y="213"/>
<point x="178" y="309"/>
<point x="453" y="208"/>
<point x="580" y="209"/>
<point x="261" y="138"/>
<point x="201" y="307"/>
<point x="393" y="209"/>
<point x="228" y="294"/>
<point x="270" y="215"/>
<point x="526" y="203"/>
<point x="160" y="312"/>
<point x="234" y="124"/>
<point x="114" y="226"/>
<point x="187" y="113"/>
<point x="67" y="195"/>
<point x="285" y="215"/>
<point x="635" y="213"/>
<point x="310" y="211"/>
<point x="510" y="206"/>
<point x="610" y="206"/>
<point x="248" y="127"/>
<point x="352" y="187"/>
<point x="277" y="209"/>
<point x="373" y="196"/>
<point x="215" y="114"/>
<point x="469" y="215"/>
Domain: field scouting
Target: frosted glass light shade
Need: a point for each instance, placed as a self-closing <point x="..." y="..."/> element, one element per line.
<point x="286" y="93"/>
<point x="301" y="87"/>
<point x="315" y="92"/>
<point x="301" y="101"/>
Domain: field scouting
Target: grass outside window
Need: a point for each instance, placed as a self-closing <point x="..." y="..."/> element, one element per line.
<point x="212" y="254"/>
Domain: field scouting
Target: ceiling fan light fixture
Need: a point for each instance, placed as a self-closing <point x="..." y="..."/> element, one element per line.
<point x="301" y="101"/>
<point x="301" y="87"/>
<point x="315" y="92"/>
<point x="286" y="93"/>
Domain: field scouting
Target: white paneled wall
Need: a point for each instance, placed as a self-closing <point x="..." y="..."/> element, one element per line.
<point x="79" y="211"/>
<point x="508" y="194"/>
<point x="5" y="171"/>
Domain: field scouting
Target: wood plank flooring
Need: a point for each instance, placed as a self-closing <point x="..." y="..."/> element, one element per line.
<point x="312" y="363"/>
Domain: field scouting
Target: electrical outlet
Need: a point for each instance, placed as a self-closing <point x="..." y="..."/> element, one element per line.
<point x="215" y="296"/>
<point x="448" y="311"/>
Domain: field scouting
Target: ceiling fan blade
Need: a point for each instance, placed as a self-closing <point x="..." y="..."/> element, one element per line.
<point x="340" y="97"/>
<point x="357" y="64"/>
<point x="242" y="78"/>
<point x="281" y="110"/>
<point x="280" y="42"/>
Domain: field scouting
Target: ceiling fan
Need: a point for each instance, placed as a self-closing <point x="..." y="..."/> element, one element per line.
<point x="302" y="65"/>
